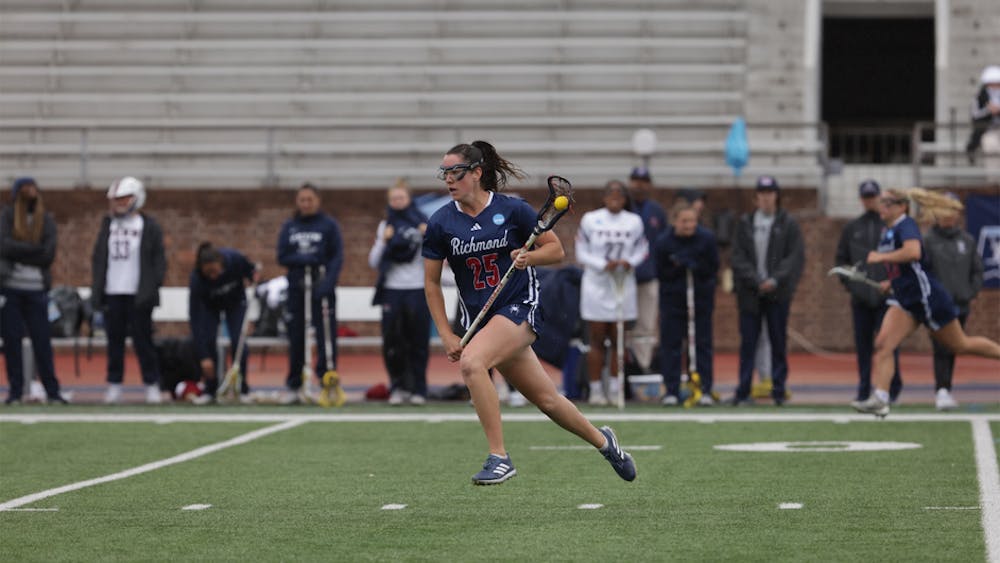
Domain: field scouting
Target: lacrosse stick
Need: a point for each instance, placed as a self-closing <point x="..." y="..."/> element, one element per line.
<point x="305" y="391"/>
<point x="693" y="379"/>
<point x="853" y="273"/>
<point x="233" y="380"/>
<point x="332" y="395"/>
<point x="619" y="280"/>
<point x="560" y="198"/>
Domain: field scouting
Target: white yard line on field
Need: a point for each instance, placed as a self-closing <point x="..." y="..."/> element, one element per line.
<point x="989" y="487"/>
<point x="187" y="456"/>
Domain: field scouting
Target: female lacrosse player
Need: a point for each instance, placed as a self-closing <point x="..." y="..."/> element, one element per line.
<point x="917" y="297"/>
<point x="686" y="247"/>
<point x="481" y="236"/>
<point x="310" y="239"/>
<point x="27" y="249"/>
<point x="128" y="266"/>
<point x="610" y="243"/>
<point x="406" y="322"/>
<point x="217" y="286"/>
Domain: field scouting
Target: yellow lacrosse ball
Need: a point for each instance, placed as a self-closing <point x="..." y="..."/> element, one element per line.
<point x="561" y="202"/>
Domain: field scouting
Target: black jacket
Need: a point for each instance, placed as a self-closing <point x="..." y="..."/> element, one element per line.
<point x="955" y="262"/>
<point x="152" y="264"/>
<point x="39" y="255"/>
<point x="785" y="260"/>
<point x="858" y="238"/>
<point x="674" y="256"/>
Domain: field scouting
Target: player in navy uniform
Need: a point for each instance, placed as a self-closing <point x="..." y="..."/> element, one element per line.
<point x="218" y="287"/>
<point x="481" y="235"/>
<point x="311" y="239"/>
<point x="917" y="297"/>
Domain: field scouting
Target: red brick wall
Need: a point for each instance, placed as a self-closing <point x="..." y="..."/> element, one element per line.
<point x="249" y="220"/>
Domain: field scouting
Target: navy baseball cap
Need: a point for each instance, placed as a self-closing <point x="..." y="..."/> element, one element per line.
<point x="20" y="183"/>
<point x="869" y="188"/>
<point x="640" y="173"/>
<point x="767" y="184"/>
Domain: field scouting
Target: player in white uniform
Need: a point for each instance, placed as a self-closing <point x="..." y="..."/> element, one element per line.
<point x="610" y="244"/>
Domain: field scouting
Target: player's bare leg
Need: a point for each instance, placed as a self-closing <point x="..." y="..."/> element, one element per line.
<point x="955" y="339"/>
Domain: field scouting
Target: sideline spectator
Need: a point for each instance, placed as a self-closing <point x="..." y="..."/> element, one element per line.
<point x="481" y="234"/>
<point x="609" y="244"/>
<point x="868" y="306"/>
<point x="128" y="267"/>
<point x="953" y="259"/>
<point x="768" y="257"/>
<point x="685" y="247"/>
<point x="27" y="249"/>
<point x="985" y="115"/>
<point x="310" y="239"/>
<point x="644" y="334"/>
<point x="218" y="287"/>
<point x="406" y="321"/>
<point x="917" y="297"/>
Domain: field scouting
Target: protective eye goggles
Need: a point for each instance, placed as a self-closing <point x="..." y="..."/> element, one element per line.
<point x="891" y="201"/>
<point x="455" y="172"/>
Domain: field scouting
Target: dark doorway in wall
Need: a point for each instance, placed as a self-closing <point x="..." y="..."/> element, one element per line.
<point x="878" y="80"/>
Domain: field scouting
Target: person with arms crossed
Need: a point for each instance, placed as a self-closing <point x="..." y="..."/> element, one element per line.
<point x="768" y="257"/>
<point x="654" y="219"/>
<point x="609" y="244"/>
<point x="310" y="241"/>
<point x="128" y="265"/>
<point x="481" y="234"/>
<point x="27" y="249"/>
<point x="917" y="297"/>
<point x="953" y="259"/>
<point x="217" y="286"/>
<point x="399" y="291"/>
<point x="868" y="307"/>
<point x="685" y="248"/>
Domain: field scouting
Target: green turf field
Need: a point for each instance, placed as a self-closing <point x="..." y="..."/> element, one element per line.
<point x="316" y="485"/>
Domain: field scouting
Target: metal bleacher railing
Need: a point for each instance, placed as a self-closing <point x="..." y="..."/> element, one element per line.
<point x="248" y="153"/>
<point x="939" y="156"/>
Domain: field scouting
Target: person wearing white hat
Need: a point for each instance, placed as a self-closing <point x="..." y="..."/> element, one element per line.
<point x="985" y="115"/>
<point x="128" y="267"/>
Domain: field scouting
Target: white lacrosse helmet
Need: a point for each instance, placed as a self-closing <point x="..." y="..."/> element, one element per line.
<point x="128" y="186"/>
<point x="990" y="75"/>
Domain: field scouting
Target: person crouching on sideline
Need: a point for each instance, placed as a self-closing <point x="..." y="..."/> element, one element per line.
<point x="128" y="267"/>
<point x="217" y="286"/>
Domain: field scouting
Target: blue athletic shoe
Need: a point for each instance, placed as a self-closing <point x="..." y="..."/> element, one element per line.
<point x="619" y="459"/>
<point x="496" y="470"/>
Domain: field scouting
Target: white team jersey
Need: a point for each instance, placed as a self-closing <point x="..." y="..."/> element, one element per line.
<point x="123" y="255"/>
<point x="605" y="236"/>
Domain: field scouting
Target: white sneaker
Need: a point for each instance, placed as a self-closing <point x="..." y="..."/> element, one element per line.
<point x="290" y="397"/>
<point x="113" y="396"/>
<point x="670" y="401"/>
<point x="597" y="396"/>
<point x="398" y="397"/>
<point x="153" y="395"/>
<point x="418" y="400"/>
<point x="516" y="399"/>
<point x="706" y="400"/>
<point x="202" y="400"/>
<point x="36" y="393"/>
<point x="248" y="399"/>
<point x="944" y="401"/>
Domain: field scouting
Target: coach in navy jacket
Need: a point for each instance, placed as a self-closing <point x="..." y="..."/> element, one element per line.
<point x="311" y="239"/>
<point x="675" y="254"/>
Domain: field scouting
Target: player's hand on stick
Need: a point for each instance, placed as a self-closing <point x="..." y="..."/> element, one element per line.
<point x="452" y="346"/>
<point x="520" y="257"/>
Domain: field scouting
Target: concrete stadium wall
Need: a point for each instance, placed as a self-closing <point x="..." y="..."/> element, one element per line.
<point x="250" y="221"/>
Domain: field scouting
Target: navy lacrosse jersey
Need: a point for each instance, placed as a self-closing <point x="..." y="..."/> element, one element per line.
<point x="913" y="288"/>
<point x="478" y="251"/>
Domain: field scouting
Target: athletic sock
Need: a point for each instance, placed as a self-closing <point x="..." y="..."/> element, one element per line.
<point x="882" y="395"/>
<point x="604" y="448"/>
